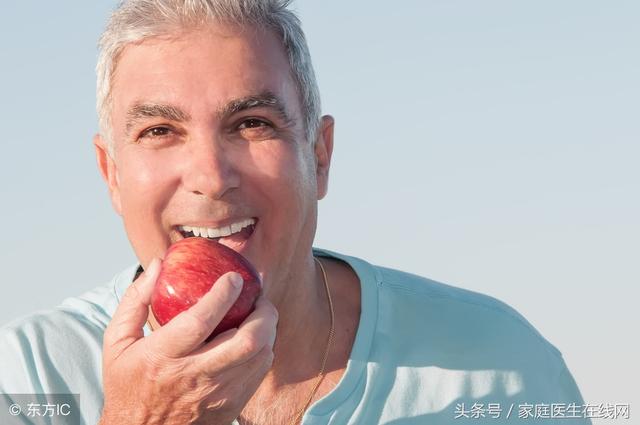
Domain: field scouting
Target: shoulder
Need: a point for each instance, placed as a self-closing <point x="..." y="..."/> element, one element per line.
<point x="440" y="295"/>
<point x="471" y="339"/>
<point x="58" y="349"/>
<point x="466" y="318"/>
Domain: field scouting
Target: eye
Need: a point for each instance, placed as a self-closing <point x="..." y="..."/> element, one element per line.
<point x="155" y="132"/>
<point x="252" y="123"/>
<point x="255" y="129"/>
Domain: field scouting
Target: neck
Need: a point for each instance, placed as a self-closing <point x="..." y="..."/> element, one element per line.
<point x="303" y="325"/>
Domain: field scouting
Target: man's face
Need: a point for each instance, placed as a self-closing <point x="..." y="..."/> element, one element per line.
<point x="209" y="134"/>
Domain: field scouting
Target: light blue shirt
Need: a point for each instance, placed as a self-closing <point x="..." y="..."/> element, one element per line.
<point x="424" y="353"/>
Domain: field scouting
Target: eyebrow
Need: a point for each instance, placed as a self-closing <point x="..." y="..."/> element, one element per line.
<point x="265" y="99"/>
<point x="140" y="111"/>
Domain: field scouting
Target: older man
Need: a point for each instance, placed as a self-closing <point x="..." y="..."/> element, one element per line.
<point x="210" y="126"/>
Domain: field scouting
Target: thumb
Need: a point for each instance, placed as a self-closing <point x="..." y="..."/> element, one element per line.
<point x="132" y="312"/>
<point x="189" y="329"/>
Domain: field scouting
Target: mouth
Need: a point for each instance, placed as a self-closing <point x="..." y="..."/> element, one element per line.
<point x="234" y="235"/>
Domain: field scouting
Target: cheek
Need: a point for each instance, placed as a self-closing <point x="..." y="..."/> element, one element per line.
<point x="283" y="171"/>
<point x="286" y="182"/>
<point x="145" y="186"/>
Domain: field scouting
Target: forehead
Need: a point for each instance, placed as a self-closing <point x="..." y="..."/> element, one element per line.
<point x="201" y="70"/>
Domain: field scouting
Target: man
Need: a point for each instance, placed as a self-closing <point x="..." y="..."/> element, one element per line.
<point x="210" y="126"/>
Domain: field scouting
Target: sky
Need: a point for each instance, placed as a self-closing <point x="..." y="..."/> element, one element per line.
<point x="489" y="145"/>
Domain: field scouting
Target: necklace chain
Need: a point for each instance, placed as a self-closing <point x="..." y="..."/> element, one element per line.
<point x="321" y="374"/>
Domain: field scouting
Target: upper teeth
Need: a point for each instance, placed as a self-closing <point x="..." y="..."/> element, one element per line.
<point x="218" y="232"/>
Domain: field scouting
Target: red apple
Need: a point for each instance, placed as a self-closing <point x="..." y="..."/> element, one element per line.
<point x="190" y="268"/>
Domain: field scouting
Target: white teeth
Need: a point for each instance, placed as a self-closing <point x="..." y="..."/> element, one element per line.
<point x="225" y="231"/>
<point x="217" y="233"/>
<point x="220" y="231"/>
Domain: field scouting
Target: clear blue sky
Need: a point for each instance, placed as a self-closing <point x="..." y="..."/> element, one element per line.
<point x="490" y="145"/>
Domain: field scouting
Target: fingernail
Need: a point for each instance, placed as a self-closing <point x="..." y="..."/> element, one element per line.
<point x="236" y="280"/>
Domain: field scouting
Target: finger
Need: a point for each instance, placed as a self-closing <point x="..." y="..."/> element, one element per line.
<point x="266" y="330"/>
<point x="240" y="383"/>
<point x="255" y="333"/>
<point x="133" y="310"/>
<point x="259" y="365"/>
<point x="185" y="332"/>
<point x="219" y="339"/>
<point x="262" y="308"/>
<point x="252" y="373"/>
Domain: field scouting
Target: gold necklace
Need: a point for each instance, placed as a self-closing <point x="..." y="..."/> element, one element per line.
<point x="321" y="374"/>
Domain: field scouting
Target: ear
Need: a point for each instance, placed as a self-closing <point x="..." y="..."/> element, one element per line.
<point x="323" y="151"/>
<point x="108" y="170"/>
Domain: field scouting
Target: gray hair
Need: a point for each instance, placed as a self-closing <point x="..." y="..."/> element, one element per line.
<point x="137" y="20"/>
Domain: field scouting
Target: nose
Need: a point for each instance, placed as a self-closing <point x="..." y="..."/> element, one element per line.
<point x="210" y="168"/>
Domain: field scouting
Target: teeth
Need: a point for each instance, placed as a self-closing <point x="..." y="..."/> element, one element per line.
<point x="220" y="231"/>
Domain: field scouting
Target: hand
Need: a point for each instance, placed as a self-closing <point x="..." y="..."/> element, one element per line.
<point x="171" y="377"/>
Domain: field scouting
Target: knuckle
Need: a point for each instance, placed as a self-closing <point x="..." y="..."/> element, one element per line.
<point x="132" y="293"/>
<point x="249" y="345"/>
<point x="112" y="333"/>
<point x="263" y="361"/>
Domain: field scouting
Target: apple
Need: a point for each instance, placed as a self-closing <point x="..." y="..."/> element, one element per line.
<point x="190" y="268"/>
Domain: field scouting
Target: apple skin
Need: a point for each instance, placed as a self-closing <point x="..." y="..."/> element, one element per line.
<point x="190" y="268"/>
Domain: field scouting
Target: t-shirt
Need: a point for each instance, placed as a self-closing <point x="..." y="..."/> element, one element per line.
<point x="424" y="353"/>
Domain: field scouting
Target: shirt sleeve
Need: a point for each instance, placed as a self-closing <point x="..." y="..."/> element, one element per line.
<point x="19" y="386"/>
<point x="48" y="360"/>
